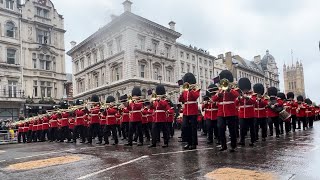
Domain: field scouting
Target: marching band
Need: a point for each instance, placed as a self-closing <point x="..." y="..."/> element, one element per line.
<point x="240" y="108"/>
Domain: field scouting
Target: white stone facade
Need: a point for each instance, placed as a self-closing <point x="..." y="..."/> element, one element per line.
<point x="294" y="79"/>
<point x="32" y="61"/>
<point x="133" y="51"/>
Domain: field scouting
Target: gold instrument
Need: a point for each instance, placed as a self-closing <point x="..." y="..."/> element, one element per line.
<point x="226" y="84"/>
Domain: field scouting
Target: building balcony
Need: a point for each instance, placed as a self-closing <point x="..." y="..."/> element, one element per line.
<point x="9" y="93"/>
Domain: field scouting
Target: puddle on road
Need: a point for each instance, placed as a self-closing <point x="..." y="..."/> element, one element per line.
<point x="232" y="173"/>
<point x="43" y="163"/>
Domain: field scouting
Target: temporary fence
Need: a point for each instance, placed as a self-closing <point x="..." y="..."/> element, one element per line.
<point x="8" y="136"/>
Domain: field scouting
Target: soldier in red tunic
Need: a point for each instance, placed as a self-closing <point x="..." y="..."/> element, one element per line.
<point x="293" y="105"/>
<point x="124" y="112"/>
<point x="145" y="113"/>
<point x="260" y="112"/>
<point x="310" y="113"/>
<point x="29" y="136"/>
<point x="135" y="125"/>
<point x="111" y="113"/>
<point x="275" y="106"/>
<point x="53" y="127"/>
<point x="170" y="118"/>
<point x="189" y="98"/>
<point x="301" y="112"/>
<point x="227" y="112"/>
<point x="79" y="128"/>
<point x="282" y="97"/>
<point x="94" y="119"/>
<point x="45" y="128"/>
<point x="160" y="106"/>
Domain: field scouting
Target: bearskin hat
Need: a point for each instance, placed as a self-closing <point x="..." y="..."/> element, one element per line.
<point x="205" y="98"/>
<point x="300" y="98"/>
<point x="308" y="101"/>
<point x="225" y="74"/>
<point x="64" y="105"/>
<point x="281" y="95"/>
<point x="189" y="78"/>
<point x="79" y="101"/>
<point x="136" y="91"/>
<point x="146" y="103"/>
<point x="110" y="99"/>
<point x="95" y="98"/>
<point x="244" y="84"/>
<point x="258" y="88"/>
<point x="290" y="95"/>
<point x="212" y="88"/>
<point x="160" y="90"/>
<point x="272" y="91"/>
<point x="123" y="98"/>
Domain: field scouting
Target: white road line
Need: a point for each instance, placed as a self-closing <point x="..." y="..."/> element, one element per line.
<point x="3" y="160"/>
<point x="177" y="152"/>
<point x="112" y="167"/>
<point x="25" y="157"/>
<point x="2" y="151"/>
<point x="92" y="147"/>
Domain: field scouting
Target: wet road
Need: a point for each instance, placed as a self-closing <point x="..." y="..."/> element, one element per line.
<point x="294" y="156"/>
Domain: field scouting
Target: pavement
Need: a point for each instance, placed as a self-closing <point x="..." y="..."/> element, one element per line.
<point x="293" y="156"/>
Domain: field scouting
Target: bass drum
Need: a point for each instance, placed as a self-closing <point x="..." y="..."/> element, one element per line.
<point x="284" y="115"/>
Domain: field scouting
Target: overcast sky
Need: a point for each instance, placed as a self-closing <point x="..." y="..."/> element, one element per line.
<point x="245" y="27"/>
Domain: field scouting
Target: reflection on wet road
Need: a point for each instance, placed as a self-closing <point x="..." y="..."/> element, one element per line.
<point x="294" y="156"/>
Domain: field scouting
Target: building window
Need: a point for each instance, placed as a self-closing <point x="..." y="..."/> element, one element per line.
<point x="10" y="29"/>
<point x="54" y="63"/>
<point x="42" y="12"/>
<point x="182" y="67"/>
<point x="119" y="44"/>
<point x="102" y="78"/>
<point x="9" y="4"/>
<point x="89" y="59"/>
<point x="11" y="56"/>
<point x="188" y="68"/>
<point x="181" y="54"/>
<point x="46" y="89"/>
<point x="142" y="41"/>
<point x="95" y="57"/>
<point x="12" y="85"/>
<point x="110" y="52"/>
<point x="210" y="63"/>
<point x="77" y="66"/>
<point x="35" y="88"/>
<point x="193" y="58"/>
<point x="169" y="74"/>
<point x="211" y="75"/>
<point x="34" y="60"/>
<point x="157" y="71"/>
<point x="194" y="69"/>
<point x="43" y="37"/>
<point x="200" y="60"/>
<point x="96" y="77"/>
<point x="206" y="73"/>
<point x="142" y="70"/>
<point x="168" y="50"/>
<point x="45" y="63"/>
<point x="201" y="72"/>
<point x="188" y="56"/>
<point x="117" y="74"/>
<point x="82" y="63"/>
<point x="155" y="45"/>
<point x="295" y="85"/>
<point x="101" y="49"/>
<point x="205" y="62"/>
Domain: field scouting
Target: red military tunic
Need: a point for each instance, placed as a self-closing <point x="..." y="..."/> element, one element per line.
<point x="210" y="110"/>
<point x="310" y="111"/>
<point x="111" y="116"/>
<point x="30" y="125"/>
<point x="103" y="119"/>
<point x="125" y="115"/>
<point x="226" y="105"/>
<point x="145" y="115"/>
<point x="45" y="123"/>
<point x="272" y="113"/>
<point x="189" y="98"/>
<point x="160" y="107"/>
<point x="260" y="105"/>
<point x="26" y="127"/>
<point x="170" y="115"/>
<point x="71" y="123"/>
<point x="35" y="125"/>
<point x="94" y="115"/>
<point x="293" y="107"/>
<point x="301" y="110"/>
<point x="39" y="125"/>
<point x="79" y="117"/>
<point x="246" y="107"/>
<point x="20" y="128"/>
<point x="64" y="119"/>
<point x="150" y="115"/>
<point x="135" y="111"/>
<point x="54" y="121"/>
<point x="118" y="117"/>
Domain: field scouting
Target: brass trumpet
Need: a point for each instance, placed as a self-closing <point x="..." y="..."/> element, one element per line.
<point x="226" y="84"/>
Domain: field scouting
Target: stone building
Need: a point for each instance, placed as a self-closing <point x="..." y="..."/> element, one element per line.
<point x="32" y="60"/>
<point x="294" y="79"/>
<point x="134" y="51"/>
<point x="258" y="70"/>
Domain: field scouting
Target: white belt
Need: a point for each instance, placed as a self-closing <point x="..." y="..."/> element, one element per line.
<point x="157" y="111"/>
<point x="191" y="102"/>
<point x="211" y="109"/>
<point x="308" y="111"/>
<point x="245" y="106"/>
<point x="258" y="109"/>
<point x="125" y="113"/>
<point x="80" y="117"/>
<point x="45" y="123"/>
<point x="226" y="102"/>
<point x="144" y="116"/>
<point x="138" y="111"/>
<point x="111" y="116"/>
<point x="63" y="118"/>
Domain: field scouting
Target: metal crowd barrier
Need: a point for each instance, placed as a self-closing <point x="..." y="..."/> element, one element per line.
<point x="8" y="136"/>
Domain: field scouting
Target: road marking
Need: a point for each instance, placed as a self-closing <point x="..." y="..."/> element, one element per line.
<point x="91" y="147"/>
<point x="177" y="152"/>
<point x="3" y="160"/>
<point x="2" y="151"/>
<point x="44" y="154"/>
<point x="112" y="167"/>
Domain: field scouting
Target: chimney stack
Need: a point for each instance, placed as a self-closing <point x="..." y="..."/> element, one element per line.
<point x="73" y="44"/>
<point x="127" y="6"/>
<point x="172" y="25"/>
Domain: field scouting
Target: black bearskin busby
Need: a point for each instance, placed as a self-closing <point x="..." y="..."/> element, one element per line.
<point x="244" y="84"/>
<point x="95" y="98"/>
<point x="110" y="99"/>
<point x="225" y="74"/>
<point x="281" y="95"/>
<point x="63" y="105"/>
<point x="258" y="88"/>
<point x="189" y="78"/>
<point x="300" y="98"/>
<point x="160" y="90"/>
<point x="79" y="102"/>
<point x="123" y="98"/>
<point x="290" y="95"/>
<point x="136" y="91"/>
<point x="308" y="101"/>
<point x="272" y="91"/>
<point x="212" y="88"/>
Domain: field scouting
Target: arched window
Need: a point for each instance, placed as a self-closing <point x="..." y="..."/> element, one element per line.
<point x="10" y="29"/>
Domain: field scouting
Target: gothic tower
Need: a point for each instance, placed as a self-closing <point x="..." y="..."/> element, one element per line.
<point x="294" y="79"/>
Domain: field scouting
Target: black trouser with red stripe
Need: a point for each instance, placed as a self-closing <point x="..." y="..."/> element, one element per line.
<point x="310" y="120"/>
<point x="45" y="133"/>
<point x="212" y="129"/>
<point x="133" y="128"/>
<point x="231" y="121"/>
<point x="79" y="130"/>
<point x="53" y="133"/>
<point x="245" y="125"/>
<point x="156" y="128"/>
<point x="293" y="122"/>
<point x="261" y="123"/>
<point x="274" y="122"/>
<point x="190" y="125"/>
<point x="65" y="133"/>
<point x="125" y="129"/>
<point x="23" y="136"/>
<point x="94" y="131"/>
